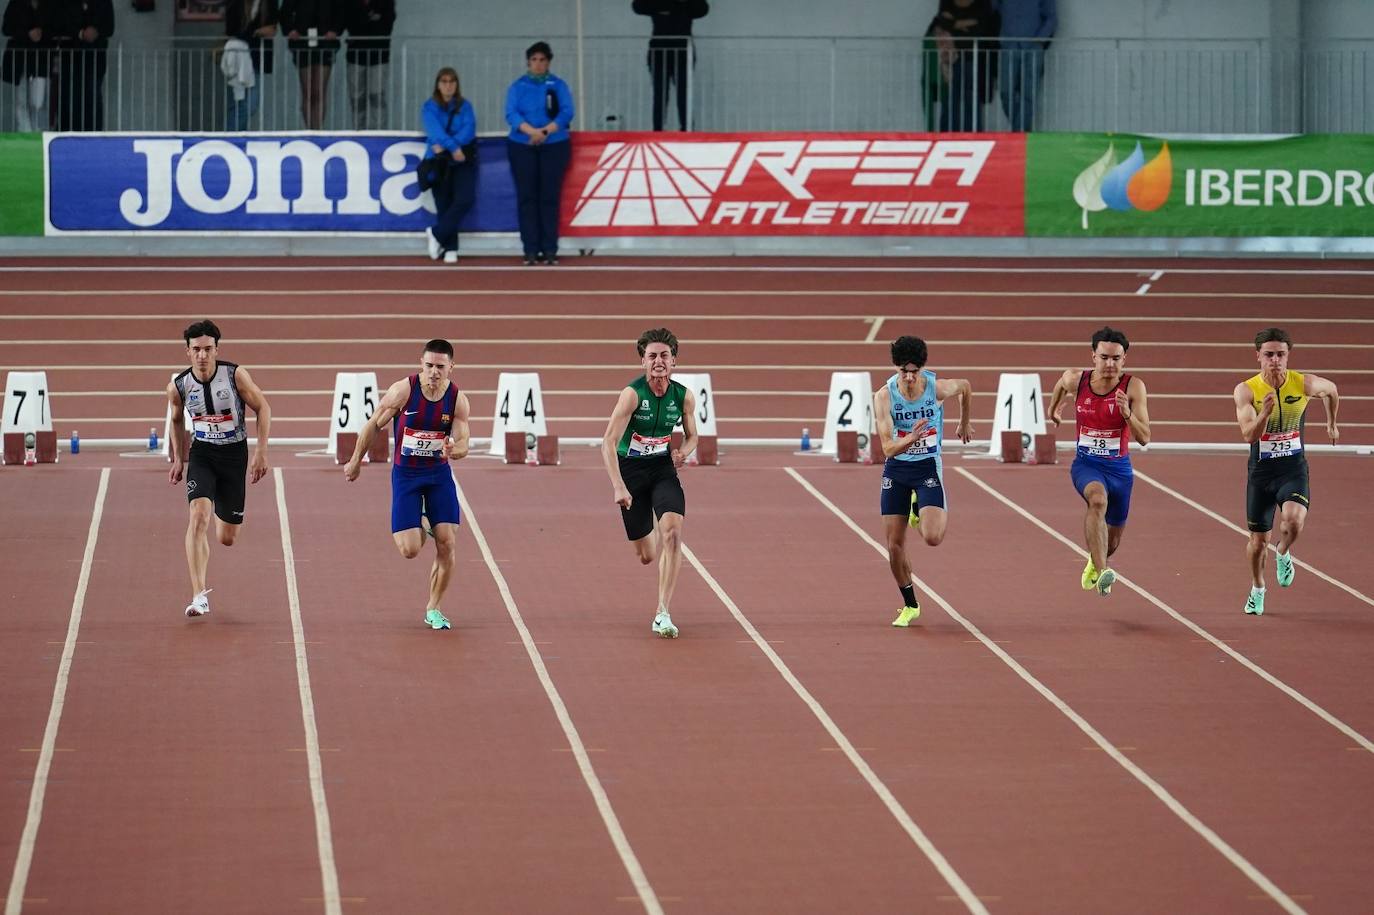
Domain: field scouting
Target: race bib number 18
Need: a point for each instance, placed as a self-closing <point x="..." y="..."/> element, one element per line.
<point x="1100" y="442"/>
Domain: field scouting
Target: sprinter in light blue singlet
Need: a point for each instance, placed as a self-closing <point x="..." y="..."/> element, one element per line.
<point x="909" y="413"/>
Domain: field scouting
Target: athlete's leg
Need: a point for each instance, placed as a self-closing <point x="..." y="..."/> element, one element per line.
<point x="198" y="543"/>
<point x="1095" y="523"/>
<point x="934" y="520"/>
<point x="1114" y="532"/>
<point x="669" y="531"/>
<point x="441" y="572"/>
<point x="1292" y="518"/>
<point x="226" y="532"/>
<point x="1256" y="549"/>
<point x="895" y="528"/>
<point x="646" y="547"/>
<point x="409" y="542"/>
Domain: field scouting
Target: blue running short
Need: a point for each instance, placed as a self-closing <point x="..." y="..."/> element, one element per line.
<point x="902" y="478"/>
<point x="429" y="487"/>
<point x="1116" y="477"/>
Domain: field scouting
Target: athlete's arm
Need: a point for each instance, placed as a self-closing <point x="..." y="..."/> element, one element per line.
<point x="948" y="387"/>
<point x="174" y="441"/>
<point x="689" y="430"/>
<point x="456" y="448"/>
<point x="882" y="421"/>
<point x="252" y="395"/>
<point x="1066" y="385"/>
<point x="1251" y="423"/>
<point x="392" y="401"/>
<point x="1324" y="389"/>
<point x="620" y="418"/>
<point x="1134" y="409"/>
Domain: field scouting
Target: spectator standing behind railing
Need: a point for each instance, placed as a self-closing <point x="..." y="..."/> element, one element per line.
<point x="255" y="23"/>
<point x="1027" y="27"/>
<point x="966" y="33"/>
<point x="668" y="47"/>
<point x="312" y="30"/>
<point x="450" y="126"/>
<point x="82" y="29"/>
<point x="369" y="24"/>
<point x="27" y="61"/>
<point x="539" y="109"/>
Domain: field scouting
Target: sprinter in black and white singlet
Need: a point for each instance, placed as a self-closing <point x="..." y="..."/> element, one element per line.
<point x="214" y="393"/>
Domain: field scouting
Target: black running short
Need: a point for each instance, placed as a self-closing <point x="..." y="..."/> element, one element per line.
<point x="654" y="489"/>
<point x="1265" y="492"/>
<point x="219" y="473"/>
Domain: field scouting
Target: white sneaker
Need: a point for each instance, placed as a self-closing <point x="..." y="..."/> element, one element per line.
<point x="200" y="604"/>
<point x="663" y="625"/>
<point x="450" y="257"/>
<point x="436" y="250"/>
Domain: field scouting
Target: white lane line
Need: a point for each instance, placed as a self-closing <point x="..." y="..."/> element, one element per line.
<point x="87" y="368"/>
<point x="335" y="317"/>
<point x="612" y="294"/>
<point x="324" y="840"/>
<point x="1144" y="288"/>
<point x="1154" y="277"/>
<point x="894" y="807"/>
<point x="1220" y="644"/>
<point x="871" y="337"/>
<point x="23" y="858"/>
<point x="1358" y="595"/>
<point x="590" y="266"/>
<point x="1139" y="774"/>
<point x="647" y="897"/>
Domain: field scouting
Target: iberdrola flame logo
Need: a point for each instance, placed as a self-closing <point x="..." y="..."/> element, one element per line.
<point x="1131" y="185"/>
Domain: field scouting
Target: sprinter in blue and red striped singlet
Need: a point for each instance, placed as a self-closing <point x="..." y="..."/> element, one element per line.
<point x="1109" y="409"/>
<point x="429" y="419"/>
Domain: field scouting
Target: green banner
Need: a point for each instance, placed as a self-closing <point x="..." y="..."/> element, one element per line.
<point x="21" y="177"/>
<point x="1118" y="184"/>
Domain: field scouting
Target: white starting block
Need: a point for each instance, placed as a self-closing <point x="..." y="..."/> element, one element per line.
<point x="707" y="443"/>
<point x="1020" y="408"/>
<point x="355" y="400"/>
<point x="26" y="424"/>
<point x="850" y="409"/>
<point x="519" y="408"/>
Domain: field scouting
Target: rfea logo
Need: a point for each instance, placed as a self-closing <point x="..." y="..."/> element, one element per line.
<point x="1130" y="185"/>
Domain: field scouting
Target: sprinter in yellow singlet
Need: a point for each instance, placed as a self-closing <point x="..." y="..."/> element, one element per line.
<point x="1271" y="408"/>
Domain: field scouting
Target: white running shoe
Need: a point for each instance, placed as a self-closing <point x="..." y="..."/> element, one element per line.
<point x="663" y="625"/>
<point x="450" y="257"/>
<point x="436" y="250"/>
<point x="200" y="604"/>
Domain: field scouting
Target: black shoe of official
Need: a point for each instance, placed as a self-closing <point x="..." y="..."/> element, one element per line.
<point x="529" y="261"/>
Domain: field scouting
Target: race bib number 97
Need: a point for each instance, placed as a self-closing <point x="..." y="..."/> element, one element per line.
<point x="422" y="443"/>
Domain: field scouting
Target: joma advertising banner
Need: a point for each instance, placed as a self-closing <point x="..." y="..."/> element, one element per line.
<point x="794" y="184"/>
<point x="1118" y="184"/>
<point x="257" y="183"/>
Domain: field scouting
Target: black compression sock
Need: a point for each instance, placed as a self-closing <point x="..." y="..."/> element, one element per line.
<point x="909" y="595"/>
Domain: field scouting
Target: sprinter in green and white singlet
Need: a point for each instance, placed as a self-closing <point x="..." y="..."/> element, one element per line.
<point x="642" y="463"/>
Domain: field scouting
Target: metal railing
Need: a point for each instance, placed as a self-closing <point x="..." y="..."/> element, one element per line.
<point x="743" y="84"/>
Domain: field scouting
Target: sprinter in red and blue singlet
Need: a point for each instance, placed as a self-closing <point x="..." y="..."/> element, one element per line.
<point x="1109" y="410"/>
<point x="428" y="416"/>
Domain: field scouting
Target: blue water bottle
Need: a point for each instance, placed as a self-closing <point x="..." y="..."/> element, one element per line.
<point x="152" y="439"/>
<point x="76" y="442"/>
<point x="806" y="439"/>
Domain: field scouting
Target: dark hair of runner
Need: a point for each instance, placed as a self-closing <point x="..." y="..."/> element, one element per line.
<point x="657" y="335"/>
<point x="539" y="47"/>
<point x="1111" y="335"/>
<point x="909" y="349"/>
<point x="1272" y="335"/>
<point x="442" y="347"/>
<point x="201" y="329"/>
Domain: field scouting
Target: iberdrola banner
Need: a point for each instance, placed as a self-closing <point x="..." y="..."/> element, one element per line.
<point x="1080" y="184"/>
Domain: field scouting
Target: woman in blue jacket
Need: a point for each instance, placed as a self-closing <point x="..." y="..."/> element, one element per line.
<point x="539" y="108"/>
<point x="450" y="127"/>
